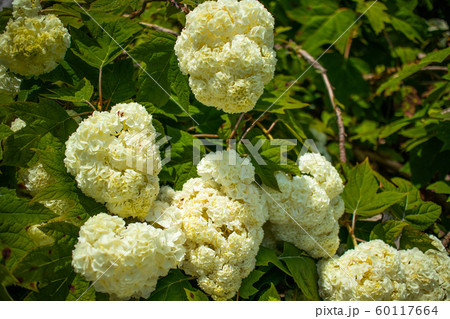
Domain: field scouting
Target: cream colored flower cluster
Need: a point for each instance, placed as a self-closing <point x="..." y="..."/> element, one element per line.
<point x="227" y="49"/>
<point x="9" y="84"/>
<point x="306" y="210"/>
<point x="376" y="271"/>
<point x="222" y="223"/>
<point x="126" y="261"/>
<point x="115" y="159"/>
<point x="33" y="44"/>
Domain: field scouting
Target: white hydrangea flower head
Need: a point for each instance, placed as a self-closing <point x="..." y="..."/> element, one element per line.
<point x="441" y="264"/>
<point x="222" y="236"/>
<point x="306" y="210"/>
<point x="227" y="50"/>
<point x="125" y="261"/>
<point x="36" y="178"/>
<point x="17" y="125"/>
<point x="33" y="45"/>
<point x="323" y="172"/>
<point x="26" y="8"/>
<point x="115" y="159"/>
<point x="422" y="278"/>
<point x="371" y="271"/>
<point x="9" y="84"/>
<point x="302" y="214"/>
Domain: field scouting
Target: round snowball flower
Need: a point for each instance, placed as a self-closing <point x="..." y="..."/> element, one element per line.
<point x="125" y="261"/>
<point x="9" y="84"/>
<point x="26" y="8"/>
<point x="222" y="237"/>
<point x="227" y="50"/>
<point x="221" y="214"/>
<point x="306" y="210"/>
<point x="33" y="44"/>
<point x="115" y="159"/>
<point x="370" y="271"/>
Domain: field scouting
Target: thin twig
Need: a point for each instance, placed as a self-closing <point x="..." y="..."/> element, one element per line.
<point x="81" y="114"/>
<point x="138" y="12"/>
<point x="235" y="127"/>
<point x="266" y="132"/>
<point x="336" y="108"/>
<point x="159" y="28"/>
<point x="100" y="97"/>
<point x="253" y="125"/>
<point x="90" y="104"/>
<point x="272" y="126"/>
<point x="205" y="135"/>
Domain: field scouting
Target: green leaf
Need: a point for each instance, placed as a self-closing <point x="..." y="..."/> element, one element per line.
<point x="269" y="159"/>
<point x="268" y="256"/>
<point x="278" y="102"/>
<point x="42" y="118"/>
<point x="195" y="295"/>
<point x="376" y="14"/>
<point x="413" y="209"/>
<point x="247" y="289"/>
<point x="16" y="215"/>
<point x="326" y="29"/>
<point x="50" y="265"/>
<point x="161" y="67"/>
<point x="118" y="81"/>
<point x="270" y="294"/>
<point x="107" y="41"/>
<point x="389" y="231"/>
<point x="394" y="82"/>
<point x="303" y="270"/>
<point x="172" y="287"/>
<point x="360" y="194"/>
<point x="81" y="93"/>
<point x="80" y="289"/>
<point x="405" y="28"/>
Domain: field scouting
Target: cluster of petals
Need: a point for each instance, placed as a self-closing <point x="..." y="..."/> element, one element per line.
<point x="227" y="50"/>
<point x="306" y="210"/>
<point x="115" y="159"/>
<point x="125" y="261"/>
<point x="377" y="271"/>
<point x="33" y="44"/>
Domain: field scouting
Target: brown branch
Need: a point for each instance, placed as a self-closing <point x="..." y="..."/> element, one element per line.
<point x="266" y="132"/>
<point x="235" y="127"/>
<point x="272" y="126"/>
<point x="81" y="114"/>
<point x="336" y="108"/>
<point x="159" y="28"/>
<point x="253" y="125"/>
<point x="138" y="12"/>
<point x="205" y="135"/>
